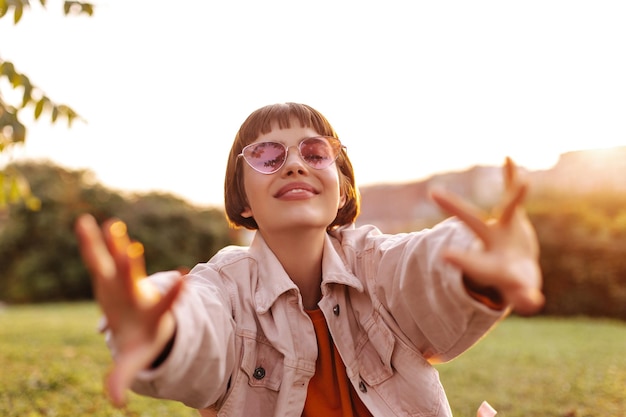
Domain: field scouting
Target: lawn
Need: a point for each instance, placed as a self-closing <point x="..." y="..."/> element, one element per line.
<point x="549" y="367"/>
<point x="52" y="362"/>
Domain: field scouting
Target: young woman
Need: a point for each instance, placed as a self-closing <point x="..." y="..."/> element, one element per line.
<point x="317" y="317"/>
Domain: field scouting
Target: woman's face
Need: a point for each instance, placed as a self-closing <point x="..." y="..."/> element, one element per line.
<point x="296" y="196"/>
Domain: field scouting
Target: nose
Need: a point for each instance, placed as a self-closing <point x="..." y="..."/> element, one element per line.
<point x="293" y="161"/>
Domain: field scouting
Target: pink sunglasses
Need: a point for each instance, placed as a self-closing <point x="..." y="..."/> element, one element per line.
<point x="318" y="152"/>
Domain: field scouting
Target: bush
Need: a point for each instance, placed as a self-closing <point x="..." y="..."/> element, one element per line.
<point x="39" y="251"/>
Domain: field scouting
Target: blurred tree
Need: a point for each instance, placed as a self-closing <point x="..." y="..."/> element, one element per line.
<point x="39" y="255"/>
<point x="583" y="252"/>
<point x="13" y="187"/>
<point x="185" y="236"/>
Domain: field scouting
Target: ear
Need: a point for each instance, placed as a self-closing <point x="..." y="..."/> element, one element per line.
<point x="246" y="212"/>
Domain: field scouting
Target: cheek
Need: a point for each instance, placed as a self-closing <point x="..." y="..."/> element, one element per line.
<point x="255" y="188"/>
<point x="247" y="196"/>
<point x="338" y="184"/>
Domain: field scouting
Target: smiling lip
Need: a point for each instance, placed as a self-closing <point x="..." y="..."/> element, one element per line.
<point x="296" y="190"/>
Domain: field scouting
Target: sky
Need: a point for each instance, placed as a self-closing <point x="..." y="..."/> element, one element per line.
<point x="413" y="88"/>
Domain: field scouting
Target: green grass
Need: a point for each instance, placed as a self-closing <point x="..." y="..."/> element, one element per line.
<point x="52" y="362"/>
<point x="549" y="367"/>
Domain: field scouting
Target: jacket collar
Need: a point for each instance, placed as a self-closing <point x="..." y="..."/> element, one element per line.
<point x="272" y="280"/>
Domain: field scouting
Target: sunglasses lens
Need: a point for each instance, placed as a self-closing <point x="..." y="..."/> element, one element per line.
<point x="268" y="157"/>
<point x="265" y="157"/>
<point x="318" y="152"/>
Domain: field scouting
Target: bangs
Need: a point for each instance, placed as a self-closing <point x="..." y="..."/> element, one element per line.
<point x="261" y="121"/>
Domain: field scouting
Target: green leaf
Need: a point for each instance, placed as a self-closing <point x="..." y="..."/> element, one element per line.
<point x="88" y="8"/>
<point x="71" y="115"/>
<point x="39" y="108"/>
<point x="7" y="69"/>
<point x="15" y="80"/>
<point x="18" y="79"/>
<point x="14" y="191"/>
<point x="19" y="132"/>
<point x="14" y="188"/>
<point x="27" y="97"/>
<point x="78" y="7"/>
<point x="33" y="203"/>
<point x="19" y="11"/>
<point x="3" y="191"/>
<point x="4" y="8"/>
<point x="26" y="82"/>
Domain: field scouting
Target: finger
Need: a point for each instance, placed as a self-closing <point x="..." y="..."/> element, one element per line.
<point x="515" y="200"/>
<point x="115" y="393"/>
<point x="116" y="235"/>
<point x="169" y="298"/>
<point x="132" y="361"/>
<point x="509" y="171"/>
<point x="124" y="370"/>
<point x="136" y="261"/>
<point x="93" y="248"/>
<point x="128" y="257"/>
<point x="466" y="212"/>
<point x="527" y="301"/>
<point x="514" y="192"/>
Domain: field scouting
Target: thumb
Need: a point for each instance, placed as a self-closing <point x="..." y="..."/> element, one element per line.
<point x="527" y="301"/>
<point x="121" y="376"/>
<point x="130" y="362"/>
<point x="473" y="265"/>
<point x="168" y="299"/>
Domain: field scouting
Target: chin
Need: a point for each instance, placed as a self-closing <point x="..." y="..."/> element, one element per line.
<point x="303" y="221"/>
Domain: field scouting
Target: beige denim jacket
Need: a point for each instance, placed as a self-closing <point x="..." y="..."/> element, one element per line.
<point x="245" y="347"/>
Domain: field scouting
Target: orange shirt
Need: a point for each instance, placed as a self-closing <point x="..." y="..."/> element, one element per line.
<point x="330" y="393"/>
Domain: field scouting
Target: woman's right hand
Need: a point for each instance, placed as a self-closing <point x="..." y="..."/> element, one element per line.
<point x="137" y="314"/>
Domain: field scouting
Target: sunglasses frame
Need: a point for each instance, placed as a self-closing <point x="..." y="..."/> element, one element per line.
<point x="329" y="139"/>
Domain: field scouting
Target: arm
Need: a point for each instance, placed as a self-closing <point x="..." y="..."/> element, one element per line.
<point x="501" y="268"/>
<point x="137" y="315"/>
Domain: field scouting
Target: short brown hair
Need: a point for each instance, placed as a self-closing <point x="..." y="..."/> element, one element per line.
<point x="260" y="122"/>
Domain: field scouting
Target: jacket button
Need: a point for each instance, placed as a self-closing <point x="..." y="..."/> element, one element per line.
<point x="362" y="387"/>
<point x="336" y="310"/>
<point x="259" y="373"/>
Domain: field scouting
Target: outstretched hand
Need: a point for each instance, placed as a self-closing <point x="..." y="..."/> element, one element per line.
<point x="137" y="314"/>
<point x="506" y="256"/>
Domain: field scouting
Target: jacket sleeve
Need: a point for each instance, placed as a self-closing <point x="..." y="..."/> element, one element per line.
<point x="424" y="295"/>
<point x="198" y="368"/>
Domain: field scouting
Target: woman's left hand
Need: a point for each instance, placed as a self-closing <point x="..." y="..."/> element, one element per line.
<point x="506" y="254"/>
